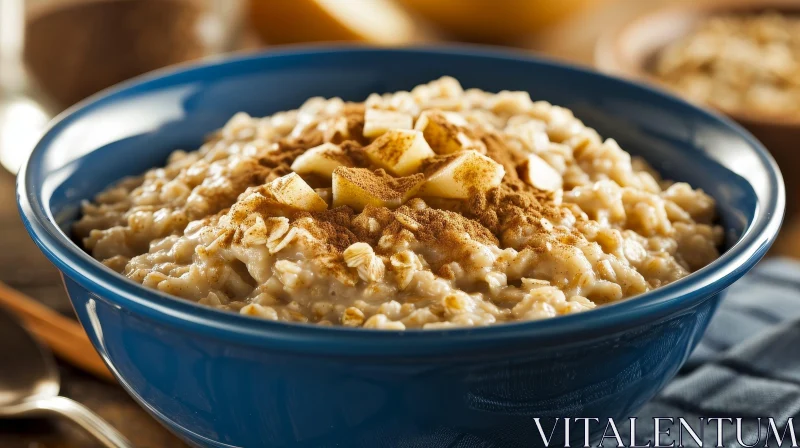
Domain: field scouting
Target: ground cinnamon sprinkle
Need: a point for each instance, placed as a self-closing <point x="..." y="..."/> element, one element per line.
<point x="338" y="157"/>
<point x="472" y="173"/>
<point x="380" y="184"/>
<point x="355" y="152"/>
<point x="443" y="233"/>
<point x="511" y="204"/>
<point x="442" y="226"/>
<point x="514" y="202"/>
<point x="390" y="147"/>
<point x="281" y="157"/>
<point x="354" y="117"/>
<point x="331" y="226"/>
<point x="500" y="152"/>
<point x="435" y="225"/>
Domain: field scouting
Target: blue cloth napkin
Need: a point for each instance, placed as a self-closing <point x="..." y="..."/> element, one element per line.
<point x="747" y="365"/>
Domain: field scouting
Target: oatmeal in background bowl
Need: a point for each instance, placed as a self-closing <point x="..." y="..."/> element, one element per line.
<point x="742" y="63"/>
<point x="439" y="207"/>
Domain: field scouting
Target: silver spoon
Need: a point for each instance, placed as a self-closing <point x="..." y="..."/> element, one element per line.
<point x="24" y="110"/>
<point x="29" y="385"/>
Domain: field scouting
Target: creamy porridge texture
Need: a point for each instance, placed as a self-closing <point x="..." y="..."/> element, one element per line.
<point x="434" y="208"/>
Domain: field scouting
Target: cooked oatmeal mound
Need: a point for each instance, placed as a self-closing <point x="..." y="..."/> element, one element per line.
<point x="435" y="208"/>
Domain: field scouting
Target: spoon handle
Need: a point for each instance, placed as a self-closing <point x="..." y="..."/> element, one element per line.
<point x="83" y="417"/>
<point x="63" y="335"/>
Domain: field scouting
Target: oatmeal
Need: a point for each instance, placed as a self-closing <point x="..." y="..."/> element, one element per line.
<point x="747" y="64"/>
<point x="435" y="208"/>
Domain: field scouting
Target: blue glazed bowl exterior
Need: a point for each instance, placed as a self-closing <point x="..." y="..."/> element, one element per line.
<point x="219" y="379"/>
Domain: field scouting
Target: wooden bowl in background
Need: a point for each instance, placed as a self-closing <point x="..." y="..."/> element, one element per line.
<point x="630" y="50"/>
<point x="75" y="48"/>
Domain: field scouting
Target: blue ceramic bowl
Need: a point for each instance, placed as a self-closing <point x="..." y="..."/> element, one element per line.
<point x="219" y="379"/>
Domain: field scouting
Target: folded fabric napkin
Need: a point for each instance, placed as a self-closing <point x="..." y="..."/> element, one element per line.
<point x="747" y="366"/>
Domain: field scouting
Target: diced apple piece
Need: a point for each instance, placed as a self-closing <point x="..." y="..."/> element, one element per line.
<point x="443" y="132"/>
<point x="321" y="160"/>
<point x="538" y="173"/>
<point x="378" y="121"/>
<point x="359" y="187"/>
<point x="400" y="152"/>
<point x="292" y="191"/>
<point x="461" y="174"/>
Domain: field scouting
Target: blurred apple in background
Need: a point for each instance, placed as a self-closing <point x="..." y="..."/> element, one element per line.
<point x="495" y="21"/>
<point x="397" y="22"/>
<point x="291" y="21"/>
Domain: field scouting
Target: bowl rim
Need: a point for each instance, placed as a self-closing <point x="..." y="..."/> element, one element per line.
<point x="121" y="292"/>
<point x="609" y="59"/>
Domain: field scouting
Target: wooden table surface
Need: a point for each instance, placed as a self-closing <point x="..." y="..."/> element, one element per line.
<point x="25" y="268"/>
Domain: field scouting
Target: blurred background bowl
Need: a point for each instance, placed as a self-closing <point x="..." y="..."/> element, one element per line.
<point x="630" y="51"/>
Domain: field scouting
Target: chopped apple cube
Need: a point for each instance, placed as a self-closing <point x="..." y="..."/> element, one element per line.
<point x="321" y="160"/>
<point x="400" y="152"/>
<point x="538" y="173"/>
<point x="292" y="191"/>
<point x="444" y="131"/>
<point x="461" y="174"/>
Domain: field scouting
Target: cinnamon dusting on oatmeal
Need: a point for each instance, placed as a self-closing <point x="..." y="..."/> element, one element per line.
<point x="502" y="153"/>
<point x="380" y="184"/>
<point x="354" y="116"/>
<point x="444" y="227"/>
<point x="281" y="157"/>
<point x="331" y="226"/>
<point x="392" y="149"/>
